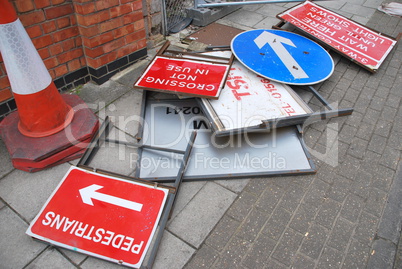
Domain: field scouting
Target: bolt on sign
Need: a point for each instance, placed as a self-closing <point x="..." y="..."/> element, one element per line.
<point x="355" y="41"/>
<point x="105" y="217"/>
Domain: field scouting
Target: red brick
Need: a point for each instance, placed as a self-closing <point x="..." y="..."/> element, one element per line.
<point x="105" y="4"/>
<point x="58" y="11"/>
<point x="63" y="22"/>
<point x="34" y="31"/>
<point x="82" y="1"/>
<point x="32" y="18"/>
<point x="83" y="61"/>
<point x="55" y="49"/>
<point x="44" y="53"/>
<point x="93" y="19"/>
<point x="135" y="36"/>
<point x="24" y="5"/>
<point x="84" y="9"/>
<point x="60" y="70"/>
<point x="95" y="52"/>
<point x="125" y="30"/>
<point x="70" y="55"/>
<point x="58" y="2"/>
<point x="142" y="43"/>
<point x="89" y="31"/>
<point x="138" y="25"/>
<point x="133" y="17"/>
<point x="137" y="5"/>
<point x="125" y="1"/>
<point x="115" y="44"/>
<point x="42" y="41"/>
<point x="4" y="82"/>
<point x="126" y="50"/>
<point x="110" y="25"/>
<point x="98" y="40"/>
<point x="120" y="10"/>
<point x="74" y="65"/>
<point x="42" y="3"/>
<point x="52" y="74"/>
<point x="68" y="44"/>
<point x="49" y="26"/>
<point x="65" y="34"/>
<point x="5" y="94"/>
<point x="50" y="63"/>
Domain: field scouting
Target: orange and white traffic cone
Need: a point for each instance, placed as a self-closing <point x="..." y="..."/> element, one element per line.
<point x="33" y="134"/>
<point x="41" y="108"/>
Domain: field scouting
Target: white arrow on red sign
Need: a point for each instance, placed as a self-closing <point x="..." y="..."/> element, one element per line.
<point x="90" y="192"/>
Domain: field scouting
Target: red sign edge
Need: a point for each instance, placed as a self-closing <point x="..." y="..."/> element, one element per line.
<point x="373" y="70"/>
<point x="55" y="243"/>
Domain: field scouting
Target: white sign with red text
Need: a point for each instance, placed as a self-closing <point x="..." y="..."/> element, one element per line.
<point x="248" y="99"/>
<point x="355" y="41"/>
<point x="101" y="216"/>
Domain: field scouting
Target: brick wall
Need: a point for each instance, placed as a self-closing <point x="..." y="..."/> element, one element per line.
<point x="80" y="40"/>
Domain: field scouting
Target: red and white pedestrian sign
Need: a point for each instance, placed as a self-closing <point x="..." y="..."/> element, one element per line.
<point x="185" y="77"/>
<point x="363" y="45"/>
<point x="101" y="216"/>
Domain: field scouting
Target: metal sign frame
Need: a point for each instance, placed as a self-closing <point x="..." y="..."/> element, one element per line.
<point x="217" y="123"/>
<point x="102" y="136"/>
<point x="141" y="204"/>
<point x="357" y="42"/>
<point x="185" y="73"/>
<point x="305" y="164"/>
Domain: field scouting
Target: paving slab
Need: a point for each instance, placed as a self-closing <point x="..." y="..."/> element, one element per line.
<point x="16" y="249"/>
<point x="345" y="216"/>
<point x="201" y="214"/>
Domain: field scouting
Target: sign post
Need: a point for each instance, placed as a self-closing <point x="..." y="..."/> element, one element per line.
<point x="102" y="216"/>
<point x="283" y="56"/>
<point x="355" y="41"/>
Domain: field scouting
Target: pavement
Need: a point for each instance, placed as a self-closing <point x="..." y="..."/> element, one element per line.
<point x="344" y="216"/>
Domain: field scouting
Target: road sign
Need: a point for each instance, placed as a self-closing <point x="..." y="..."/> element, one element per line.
<point x="101" y="216"/>
<point x="355" y="41"/>
<point x="184" y="76"/>
<point x="283" y="56"/>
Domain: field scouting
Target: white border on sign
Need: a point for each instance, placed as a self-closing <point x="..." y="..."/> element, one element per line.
<point x="30" y="233"/>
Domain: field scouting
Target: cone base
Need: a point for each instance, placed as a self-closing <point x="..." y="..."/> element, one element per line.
<point x="34" y="154"/>
<point x="69" y="118"/>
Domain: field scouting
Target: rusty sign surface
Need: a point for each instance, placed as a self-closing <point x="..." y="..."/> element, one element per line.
<point x="355" y="41"/>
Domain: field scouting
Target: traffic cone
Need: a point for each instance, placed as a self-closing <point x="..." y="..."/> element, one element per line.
<point x="34" y="134"/>
<point x="41" y="108"/>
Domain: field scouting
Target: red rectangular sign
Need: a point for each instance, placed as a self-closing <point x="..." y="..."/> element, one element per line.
<point x="102" y="216"/>
<point x="185" y="77"/>
<point x="355" y="41"/>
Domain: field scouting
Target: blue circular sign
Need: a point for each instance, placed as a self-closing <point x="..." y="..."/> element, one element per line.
<point x="283" y="56"/>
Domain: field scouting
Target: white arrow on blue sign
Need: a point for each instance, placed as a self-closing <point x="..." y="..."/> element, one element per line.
<point x="283" y="56"/>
